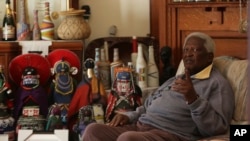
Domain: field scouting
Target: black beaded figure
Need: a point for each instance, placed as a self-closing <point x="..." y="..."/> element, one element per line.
<point x="168" y="70"/>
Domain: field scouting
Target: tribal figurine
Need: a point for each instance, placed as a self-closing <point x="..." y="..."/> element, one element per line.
<point x="90" y="91"/>
<point x="54" y="120"/>
<point x="6" y="107"/>
<point x="64" y="64"/>
<point x="125" y="94"/>
<point x="31" y="72"/>
<point x="85" y="117"/>
<point x="168" y="70"/>
<point x="6" y="96"/>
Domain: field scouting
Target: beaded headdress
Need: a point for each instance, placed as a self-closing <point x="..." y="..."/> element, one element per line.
<point x="36" y="61"/>
<point x="64" y="57"/>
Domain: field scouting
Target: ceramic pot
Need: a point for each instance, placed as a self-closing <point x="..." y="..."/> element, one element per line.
<point x="73" y="26"/>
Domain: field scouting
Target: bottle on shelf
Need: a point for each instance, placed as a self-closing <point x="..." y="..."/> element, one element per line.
<point x="134" y="50"/>
<point x="106" y="50"/>
<point x="131" y="66"/>
<point x="47" y="26"/>
<point x="116" y="63"/>
<point x="104" y="70"/>
<point x="97" y="61"/>
<point x="36" y="31"/>
<point x="23" y="28"/>
<point x="153" y="72"/>
<point x="9" y="26"/>
<point x="141" y="68"/>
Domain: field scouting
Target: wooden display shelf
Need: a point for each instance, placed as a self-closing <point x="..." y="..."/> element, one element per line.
<point x="173" y="21"/>
<point x="204" y="4"/>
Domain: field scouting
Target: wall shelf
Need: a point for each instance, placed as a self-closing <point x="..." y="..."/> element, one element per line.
<point x="173" y="21"/>
<point x="204" y="4"/>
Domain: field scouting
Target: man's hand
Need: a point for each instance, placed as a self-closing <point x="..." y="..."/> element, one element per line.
<point x="185" y="86"/>
<point x="119" y="120"/>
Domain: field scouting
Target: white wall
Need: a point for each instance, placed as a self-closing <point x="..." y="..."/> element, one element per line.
<point x="30" y="5"/>
<point x="131" y="17"/>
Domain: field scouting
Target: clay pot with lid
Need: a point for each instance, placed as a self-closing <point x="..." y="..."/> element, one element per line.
<point x="73" y="26"/>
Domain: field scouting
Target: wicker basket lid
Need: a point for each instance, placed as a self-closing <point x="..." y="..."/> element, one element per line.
<point x="72" y="12"/>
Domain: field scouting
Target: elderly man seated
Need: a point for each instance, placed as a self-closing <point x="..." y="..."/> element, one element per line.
<point x="191" y="106"/>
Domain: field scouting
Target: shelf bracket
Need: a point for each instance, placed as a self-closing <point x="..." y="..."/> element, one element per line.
<point x="221" y="10"/>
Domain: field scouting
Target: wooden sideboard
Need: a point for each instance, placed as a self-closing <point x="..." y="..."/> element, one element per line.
<point x="171" y="22"/>
<point x="9" y="50"/>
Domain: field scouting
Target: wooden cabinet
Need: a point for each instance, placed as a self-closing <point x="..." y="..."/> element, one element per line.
<point x="9" y="50"/>
<point x="175" y="20"/>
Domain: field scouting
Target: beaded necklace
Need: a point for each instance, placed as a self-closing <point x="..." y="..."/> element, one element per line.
<point x="62" y="87"/>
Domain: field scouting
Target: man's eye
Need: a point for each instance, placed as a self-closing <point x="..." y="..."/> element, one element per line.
<point x="191" y="50"/>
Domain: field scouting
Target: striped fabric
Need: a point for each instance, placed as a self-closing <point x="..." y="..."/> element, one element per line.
<point x="235" y="71"/>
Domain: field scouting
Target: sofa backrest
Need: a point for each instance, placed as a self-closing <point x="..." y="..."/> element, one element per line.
<point x="235" y="71"/>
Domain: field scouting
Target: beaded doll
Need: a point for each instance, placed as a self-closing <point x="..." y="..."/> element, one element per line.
<point x="64" y="64"/>
<point x="6" y="107"/>
<point x="90" y="91"/>
<point x="31" y="72"/>
<point x="125" y="94"/>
